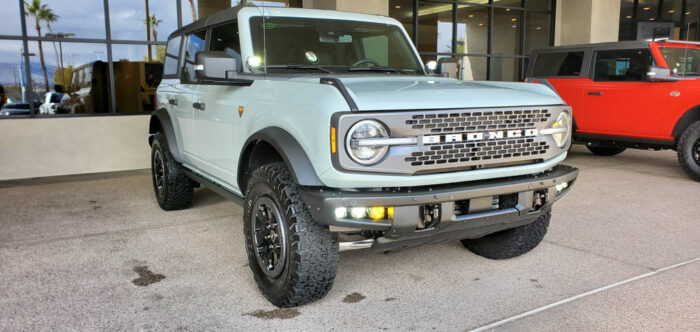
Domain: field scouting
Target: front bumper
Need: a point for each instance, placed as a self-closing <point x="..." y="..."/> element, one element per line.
<point x="535" y="196"/>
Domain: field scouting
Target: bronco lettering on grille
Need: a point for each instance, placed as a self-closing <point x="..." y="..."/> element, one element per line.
<point x="479" y="136"/>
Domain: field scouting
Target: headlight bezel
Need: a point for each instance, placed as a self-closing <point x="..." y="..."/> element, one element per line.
<point x="563" y="120"/>
<point x="383" y="149"/>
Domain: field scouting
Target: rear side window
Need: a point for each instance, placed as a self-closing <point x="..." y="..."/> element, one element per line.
<point x="193" y="44"/>
<point x="622" y="65"/>
<point x="172" y="53"/>
<point x="225" y="39"/>
<point x="558" y="64"/>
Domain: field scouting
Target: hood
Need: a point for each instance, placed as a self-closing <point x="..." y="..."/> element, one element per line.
<point x="372" y="93"/>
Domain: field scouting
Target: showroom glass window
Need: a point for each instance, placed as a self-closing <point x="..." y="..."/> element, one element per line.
<point x="677" y="19"/>
<point x="477" y="39"/>
<point x="91" y="57"/>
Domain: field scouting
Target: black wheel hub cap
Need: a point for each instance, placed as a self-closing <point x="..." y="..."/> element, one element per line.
<point x="159" y="171"/>
<point x="696" y="151"/>
<point x="269" y="236"/>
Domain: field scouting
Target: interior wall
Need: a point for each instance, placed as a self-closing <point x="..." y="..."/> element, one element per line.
<point x="378" y="7"/>
<point x="59" y="146"/>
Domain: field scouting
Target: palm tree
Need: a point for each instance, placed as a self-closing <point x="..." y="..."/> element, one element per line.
<point x="154" y="22"/>
<point x="40" y="13"/>
<point x="194" y="13"/>
<point x="51" y="17"/>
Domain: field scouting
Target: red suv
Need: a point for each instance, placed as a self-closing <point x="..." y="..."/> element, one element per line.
<point x="643" y="95"/>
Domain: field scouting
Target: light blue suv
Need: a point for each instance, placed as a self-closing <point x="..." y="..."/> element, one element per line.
<point x="323" y="123"/>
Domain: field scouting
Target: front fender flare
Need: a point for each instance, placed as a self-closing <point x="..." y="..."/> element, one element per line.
<point x="160" y="121"/>
<point x="289" y="149"/>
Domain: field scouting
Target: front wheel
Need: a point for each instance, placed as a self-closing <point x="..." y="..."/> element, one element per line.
<point x="293" y="259"/>
<point x="173" y="189"/>
<point x="512" y="242"/>
<point x="606" y="150"/>
<point x="689" y="151"/>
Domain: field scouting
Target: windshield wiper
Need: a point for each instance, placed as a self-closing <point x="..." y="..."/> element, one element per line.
<point x="382" y="68"/>
<point x="301" y="67"/>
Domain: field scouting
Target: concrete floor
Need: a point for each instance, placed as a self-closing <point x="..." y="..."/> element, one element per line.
<point x="69" y="249"/>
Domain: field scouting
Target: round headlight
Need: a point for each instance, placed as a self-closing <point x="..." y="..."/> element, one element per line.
<point x="366" y="154"/>
<point x="563" y="121"/>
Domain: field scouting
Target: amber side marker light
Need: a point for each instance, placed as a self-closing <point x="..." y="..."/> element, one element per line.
<point x="333" y="140"/>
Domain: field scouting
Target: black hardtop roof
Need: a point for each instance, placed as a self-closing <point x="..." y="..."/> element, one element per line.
<point x="597" y="46"/>
<point x="223" y="16"/>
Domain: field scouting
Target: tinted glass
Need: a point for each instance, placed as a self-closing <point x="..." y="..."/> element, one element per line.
<point x="472" y="29"/>
<point x="402" y="11"/>
<point x="558" y="64"/>
<point x="194" y="43"/>
<point x="505" y="69"/>
<point x="622" y="65"/>
<point x="74" y="18"/>
<point x="434" y="27"/>
<point x="10" y="21"/>
<point x="128" y="19"/>
<point x="172" y="53"/>
<point x="225" y="39"/>
<point x="682" y="61"/>
<point x="536" y="31"/>
<point x="506" y="26"/>
<point x="13" y="75"/>
<point x="332" y="43"/>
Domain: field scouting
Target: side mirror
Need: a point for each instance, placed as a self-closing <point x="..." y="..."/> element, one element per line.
<point x="431" y="66"/>
<point x="659" y="74"/>
<point x="214" y="66"/>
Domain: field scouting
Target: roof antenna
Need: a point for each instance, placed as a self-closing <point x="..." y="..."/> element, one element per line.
<point x="685" y="57"/>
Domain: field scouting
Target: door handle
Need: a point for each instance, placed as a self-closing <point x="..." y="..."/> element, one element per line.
<point x="172" y="102"/>
<point x="199" y="106"/>
<point x="595" y="93"/>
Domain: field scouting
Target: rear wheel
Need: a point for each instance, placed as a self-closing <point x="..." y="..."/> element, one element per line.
<point x="689" y="151"/>
<point x="510" y="242"/>
<point x="293" y="259"/>
<point x="606" y="150"/>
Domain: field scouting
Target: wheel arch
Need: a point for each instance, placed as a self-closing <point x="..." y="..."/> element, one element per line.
<point x="687" y="119"/>
<point x="161" y="122"/>
<point x="274" y="144"/>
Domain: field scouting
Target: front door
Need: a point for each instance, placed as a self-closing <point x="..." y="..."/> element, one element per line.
<point x="186" y="93"/>
<point x="217" y="120"/>
<point x="620" y="101"/>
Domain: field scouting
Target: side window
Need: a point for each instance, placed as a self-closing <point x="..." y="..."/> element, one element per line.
<point x="194" y="43"/>
<point x="377" y="49"/>
<point x="225" y="39"/>
<point x="558" y="64"/>
<point x="622" y="65"/>
<point x="172" y="53"/>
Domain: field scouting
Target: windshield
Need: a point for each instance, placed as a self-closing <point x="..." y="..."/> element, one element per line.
<point x="682" y="61"/>
<point x="332" y="45"/>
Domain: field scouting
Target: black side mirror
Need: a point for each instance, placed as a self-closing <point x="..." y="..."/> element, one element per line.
<point x="214" y="66"/>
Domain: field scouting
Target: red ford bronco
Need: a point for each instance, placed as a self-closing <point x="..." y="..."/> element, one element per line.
<point x="643" y="95"/>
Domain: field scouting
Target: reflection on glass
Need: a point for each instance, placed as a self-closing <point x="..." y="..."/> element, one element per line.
<point x="13" y="79"/>
<point x="672" y="11"/>
<point x="10" y="22"/>
<point x="76" y="76"/>
<point x="128" y="19"/>
<point x="434" y="27"/>
<point x="82" y="18"/>
<point x="191" y="11"/>
<point x="647" y="10"/>
<point x="538" y="4"/>
<point x="506" y="31"/>
<point x="136" y="78"/>
<point x="509" y="3"/>
<point x="536" y="31"/>
<point x="505" y="69"/>
<point x="472" y="29"/>
<point x="402" y="11"/>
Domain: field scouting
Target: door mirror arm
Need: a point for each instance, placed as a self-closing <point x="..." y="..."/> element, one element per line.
<point x="660" y="74"/>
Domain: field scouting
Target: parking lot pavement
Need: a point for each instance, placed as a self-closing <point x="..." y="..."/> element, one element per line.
<point x="95" y="252"/>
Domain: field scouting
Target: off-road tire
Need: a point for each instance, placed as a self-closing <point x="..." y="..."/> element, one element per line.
<point x="511" y="242"/>
<point x="606" y="151"/>
<point x="177" y="189"/>
<point x="311" y="249"/>
<point x="687" y="150"/>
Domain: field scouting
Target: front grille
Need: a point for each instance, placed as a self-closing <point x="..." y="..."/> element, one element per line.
<point x="493" y="120"/>
<point x="458" y="123"/>
<point x="458" y="140"/>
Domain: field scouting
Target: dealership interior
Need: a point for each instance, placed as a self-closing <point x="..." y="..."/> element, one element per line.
<point x="80" y="78"/>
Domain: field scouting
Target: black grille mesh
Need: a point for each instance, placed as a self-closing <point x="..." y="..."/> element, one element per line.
<point x="461" y="123"/>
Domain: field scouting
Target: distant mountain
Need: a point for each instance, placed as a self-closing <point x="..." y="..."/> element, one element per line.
<point x="10" y="73"/>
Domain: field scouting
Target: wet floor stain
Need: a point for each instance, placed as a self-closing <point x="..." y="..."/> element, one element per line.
<point x="353" y="297"/>
<point x="389" y="299"/>
<point x="536" y="283"/>
<point x="274" y="314"/>
<point x="476" y="279"/>
<point x="146" y="277"/>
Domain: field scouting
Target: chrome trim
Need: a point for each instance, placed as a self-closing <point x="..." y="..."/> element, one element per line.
<point x="552" y="131"/>
<point x="355" y="245"/>
<point x="387" y="141"/>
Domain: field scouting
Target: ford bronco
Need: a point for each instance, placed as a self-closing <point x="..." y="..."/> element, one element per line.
<point x="323" y="123"/>
<point x="637" y="94"/>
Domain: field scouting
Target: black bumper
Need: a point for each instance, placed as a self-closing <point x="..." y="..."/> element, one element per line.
<point x="535" y="196"/>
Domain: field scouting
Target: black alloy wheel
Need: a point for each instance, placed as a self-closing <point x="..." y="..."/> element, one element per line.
<point x="159" y="171"/>
<point x="270" y="238"/>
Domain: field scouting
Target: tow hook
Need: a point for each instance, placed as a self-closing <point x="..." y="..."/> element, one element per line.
<point x="540" y="199"/>
<point x="430" y="216"/>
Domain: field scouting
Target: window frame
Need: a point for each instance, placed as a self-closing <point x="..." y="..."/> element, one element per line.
<point x="178" y="59"/>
